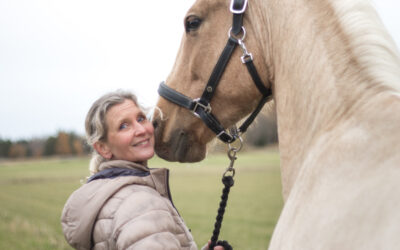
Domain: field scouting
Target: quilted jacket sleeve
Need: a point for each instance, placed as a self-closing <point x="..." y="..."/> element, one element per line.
<point x="138" y="217"/>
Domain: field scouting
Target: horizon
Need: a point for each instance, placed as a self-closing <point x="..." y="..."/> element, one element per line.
<point x="58" y="57"/>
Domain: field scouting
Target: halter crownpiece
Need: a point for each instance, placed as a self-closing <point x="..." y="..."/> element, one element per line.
<point x="201" y="107"/>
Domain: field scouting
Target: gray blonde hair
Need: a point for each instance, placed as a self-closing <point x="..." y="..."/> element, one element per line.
<point x="96" y="126"/>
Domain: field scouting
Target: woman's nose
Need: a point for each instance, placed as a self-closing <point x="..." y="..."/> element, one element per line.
<point x="140" y="129"/>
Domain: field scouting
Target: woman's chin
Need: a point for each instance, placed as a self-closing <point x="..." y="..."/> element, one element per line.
<point x="145" y="156"/>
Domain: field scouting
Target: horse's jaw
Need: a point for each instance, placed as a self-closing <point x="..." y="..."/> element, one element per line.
<point x="180" y="146"/>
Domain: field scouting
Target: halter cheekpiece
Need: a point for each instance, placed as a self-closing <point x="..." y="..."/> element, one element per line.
<point x="201" y="107"/>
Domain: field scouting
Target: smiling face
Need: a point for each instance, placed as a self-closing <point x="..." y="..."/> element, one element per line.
<point x="130" y="136"/>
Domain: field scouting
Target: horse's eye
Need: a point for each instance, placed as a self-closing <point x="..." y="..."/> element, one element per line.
<point x="192" y="23"/>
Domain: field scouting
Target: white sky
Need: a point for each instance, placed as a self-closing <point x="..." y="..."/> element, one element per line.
<point x="58" y="56"/>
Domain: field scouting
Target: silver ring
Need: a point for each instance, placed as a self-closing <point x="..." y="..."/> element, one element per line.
<point x="234" y="149"/>
<point x="233" y="36"/>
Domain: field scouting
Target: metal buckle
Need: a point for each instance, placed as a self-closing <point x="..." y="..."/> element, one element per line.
<point x="234" y="11"/>
<point x="207" y="108"/>
<point x="246" y="58"/>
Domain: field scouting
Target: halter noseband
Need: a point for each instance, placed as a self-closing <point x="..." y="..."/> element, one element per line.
<point x="201" y="107"/>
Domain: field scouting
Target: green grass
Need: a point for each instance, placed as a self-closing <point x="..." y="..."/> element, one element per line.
<point x="33" y="193"/>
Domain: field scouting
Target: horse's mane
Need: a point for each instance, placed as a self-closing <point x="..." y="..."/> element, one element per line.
<point x="372" y="45"/>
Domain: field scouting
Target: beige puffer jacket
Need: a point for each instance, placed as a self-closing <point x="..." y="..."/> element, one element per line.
<point x="125" y="206"/>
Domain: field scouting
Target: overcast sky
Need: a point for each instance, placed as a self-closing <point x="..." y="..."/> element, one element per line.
<point x="58" y="56"/>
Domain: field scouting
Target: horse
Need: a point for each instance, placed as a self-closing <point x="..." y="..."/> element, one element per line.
<point x="334" y="72"/>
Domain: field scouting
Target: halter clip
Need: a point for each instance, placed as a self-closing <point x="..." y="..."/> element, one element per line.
<point x="246" y="55"/>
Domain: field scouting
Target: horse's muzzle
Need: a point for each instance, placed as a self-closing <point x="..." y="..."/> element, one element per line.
<point x="180" y="145"/>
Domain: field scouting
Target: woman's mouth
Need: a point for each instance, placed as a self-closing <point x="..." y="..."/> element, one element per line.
<point x="142" y="143"/>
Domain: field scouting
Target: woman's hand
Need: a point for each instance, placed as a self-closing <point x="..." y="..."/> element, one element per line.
<point x="219" y="248"/>
<point x="206" y="247"/>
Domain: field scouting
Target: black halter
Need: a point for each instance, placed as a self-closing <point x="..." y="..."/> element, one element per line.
<point x="201" y="107"/>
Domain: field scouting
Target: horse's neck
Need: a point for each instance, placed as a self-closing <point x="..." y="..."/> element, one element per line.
<point x="320" y="83"/>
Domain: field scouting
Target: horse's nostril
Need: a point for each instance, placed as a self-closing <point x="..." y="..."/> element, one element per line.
<point x="155" y="124"/>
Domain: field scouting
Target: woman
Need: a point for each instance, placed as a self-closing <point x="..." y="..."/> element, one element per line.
<point x="124" y="204"/>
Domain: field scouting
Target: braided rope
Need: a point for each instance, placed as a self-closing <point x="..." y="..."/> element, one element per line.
<point x="227" y="180"/>
<point x="228" y="183"/>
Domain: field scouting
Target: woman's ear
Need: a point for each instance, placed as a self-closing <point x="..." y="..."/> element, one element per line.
<point x="103" y="149"/>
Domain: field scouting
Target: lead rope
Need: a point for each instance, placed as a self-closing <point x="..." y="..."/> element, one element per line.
<point x="227" y="180"/>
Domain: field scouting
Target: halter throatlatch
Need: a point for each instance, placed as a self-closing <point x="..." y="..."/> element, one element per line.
<point x="201" y="107"/>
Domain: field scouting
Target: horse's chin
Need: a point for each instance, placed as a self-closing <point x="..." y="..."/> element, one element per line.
<point x="181" y="147"/>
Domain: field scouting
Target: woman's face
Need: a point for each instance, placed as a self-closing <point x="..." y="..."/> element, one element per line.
<point x="130" y="135"/>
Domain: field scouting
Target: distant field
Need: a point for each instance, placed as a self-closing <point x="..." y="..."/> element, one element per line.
<point x="33" y="193"/>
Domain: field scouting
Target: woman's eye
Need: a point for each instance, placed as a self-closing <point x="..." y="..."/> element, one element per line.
<point x="123" y="126"/>
<point x="192" y="23"/>
<point x="141" y="118"/>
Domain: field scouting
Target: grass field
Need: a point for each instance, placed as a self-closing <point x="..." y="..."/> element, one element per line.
<point x="33" y="193"/>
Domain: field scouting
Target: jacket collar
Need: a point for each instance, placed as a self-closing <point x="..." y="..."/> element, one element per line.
<point x="159" y="176"/>
<point x="122" y="164"/>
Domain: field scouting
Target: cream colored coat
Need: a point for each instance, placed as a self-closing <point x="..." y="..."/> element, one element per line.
<point x="126" y="212"/>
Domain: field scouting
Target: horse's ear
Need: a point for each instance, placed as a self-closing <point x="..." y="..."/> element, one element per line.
<point x="103" y="149"/>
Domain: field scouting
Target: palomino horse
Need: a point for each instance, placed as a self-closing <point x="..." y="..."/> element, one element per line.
<point x="335" y="76"/>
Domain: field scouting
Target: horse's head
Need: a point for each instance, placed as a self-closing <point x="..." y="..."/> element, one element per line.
<point x="181" y="136"/>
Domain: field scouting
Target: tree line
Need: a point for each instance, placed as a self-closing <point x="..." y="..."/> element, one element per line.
<point x="62" y="144"/>
<point x="261" y="133"/>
